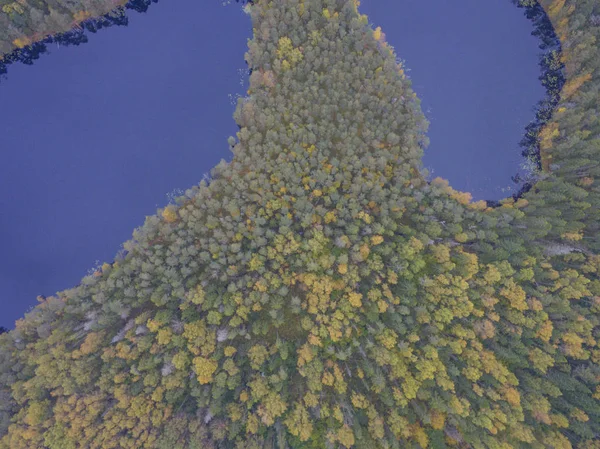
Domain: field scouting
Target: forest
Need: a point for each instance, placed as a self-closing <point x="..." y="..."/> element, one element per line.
<point x="322" y="291"/>
<point x="27" y="26"/>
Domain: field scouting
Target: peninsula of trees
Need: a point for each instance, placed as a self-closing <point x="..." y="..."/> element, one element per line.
<point x="321" y="291"/>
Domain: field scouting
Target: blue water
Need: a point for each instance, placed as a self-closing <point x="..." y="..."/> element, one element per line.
<point x="96" y="136"/>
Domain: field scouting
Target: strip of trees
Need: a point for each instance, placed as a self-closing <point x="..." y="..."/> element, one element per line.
<point x="28" y="27"/>
<point x="320" y="292"/>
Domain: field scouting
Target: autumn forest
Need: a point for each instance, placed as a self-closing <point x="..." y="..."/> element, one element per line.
<point x="322" y="291"/>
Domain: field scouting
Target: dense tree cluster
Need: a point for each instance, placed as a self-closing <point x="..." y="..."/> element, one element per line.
<point x="319" y="292"/>
<point x="552" y="79"/>
<point x="27" y="26"/>
<point x="567" y="194"/>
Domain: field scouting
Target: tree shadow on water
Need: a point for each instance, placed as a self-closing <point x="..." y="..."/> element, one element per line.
<point x="117" y="17"/>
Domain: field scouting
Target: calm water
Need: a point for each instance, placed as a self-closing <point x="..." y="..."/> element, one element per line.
<point x="95" y="136"/>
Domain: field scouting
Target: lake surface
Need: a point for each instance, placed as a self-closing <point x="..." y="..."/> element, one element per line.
<point x="474" y="65"/>
<point x="95" y="136"/>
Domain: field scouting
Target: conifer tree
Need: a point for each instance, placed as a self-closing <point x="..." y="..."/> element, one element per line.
<point x="320" y="292"/>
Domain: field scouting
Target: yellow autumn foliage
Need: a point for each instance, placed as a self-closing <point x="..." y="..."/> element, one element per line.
<point x="438" y="419"/>
<point x="21" y="42"/>
<point x="345" y="436"/>
<point x="80" y="16"/>
<point x="555" y="7"/>
<point x="377" y="33"/>
<point x="355" y="299"/>
<point x="170" y="215"/>
<point x="573" y="85"/>
<point x="334" y="290"/>
<point x="376" y="239"/>
<point x="204" y="369"/>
